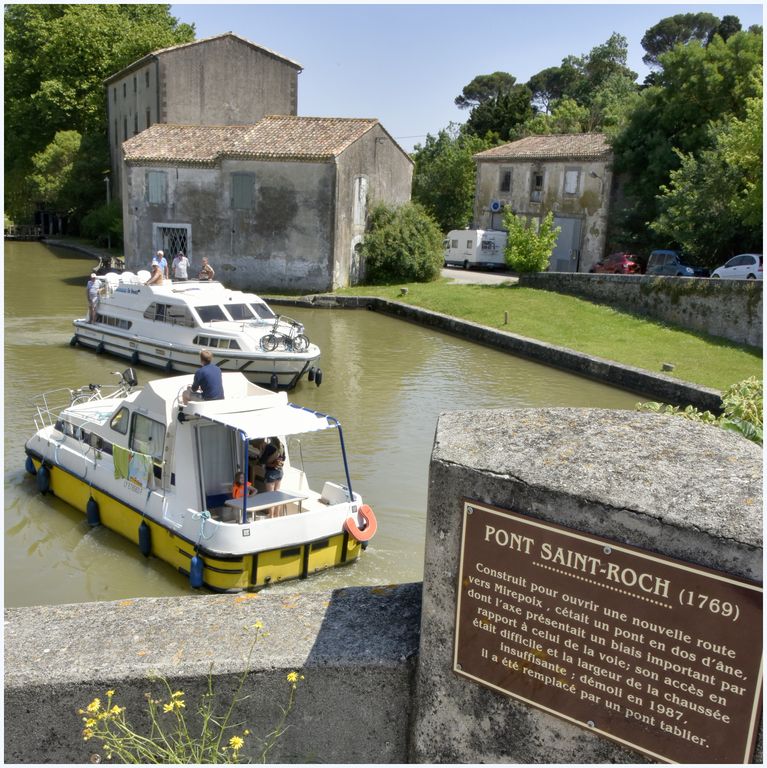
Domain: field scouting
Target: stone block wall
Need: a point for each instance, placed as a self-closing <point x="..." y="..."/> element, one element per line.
<point x="662" y="484"/>
<point x="731" y="309"/>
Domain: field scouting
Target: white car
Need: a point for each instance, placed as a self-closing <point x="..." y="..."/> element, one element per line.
<point x="746" y="266"/>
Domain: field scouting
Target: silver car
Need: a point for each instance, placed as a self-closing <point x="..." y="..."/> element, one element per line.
<point x="744" y="266"/>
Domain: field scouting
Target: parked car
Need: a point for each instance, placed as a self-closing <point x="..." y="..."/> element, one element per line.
<point x="666" y="262"/>
<point x="618" y="264"/>
<point x="744" y="266"/>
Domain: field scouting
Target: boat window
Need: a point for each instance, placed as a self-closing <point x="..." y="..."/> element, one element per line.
<point x="176" y="314"/>
<point x="147" y="436"/>
<point x="119" y="422"/>
<point x="116" y="322"/>
<point x="155" y="311"/>
<point x="239" y="311"/>
<point x="211" y="313"/>
<point x="214" y="341"/>
<point x="263" y="311"/>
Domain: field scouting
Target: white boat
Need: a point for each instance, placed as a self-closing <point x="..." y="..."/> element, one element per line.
<point x="160" y="473"/>
<point x="166" y="326"/>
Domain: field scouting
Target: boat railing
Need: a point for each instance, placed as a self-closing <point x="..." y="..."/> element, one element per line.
<point x="49" y="405"/>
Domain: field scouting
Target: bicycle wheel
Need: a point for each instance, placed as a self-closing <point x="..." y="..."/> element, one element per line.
<point x="269" y="342"/>
<point x="300" y="343"/>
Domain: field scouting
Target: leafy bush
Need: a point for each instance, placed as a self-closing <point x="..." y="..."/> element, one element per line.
<point x="743" y="406"/>
<point x="102" y="221"/>
<point x="402" y="244"/>
<point x="528" y="249"/>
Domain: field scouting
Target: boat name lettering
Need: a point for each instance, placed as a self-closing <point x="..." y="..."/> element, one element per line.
<point x="122" y="289"/>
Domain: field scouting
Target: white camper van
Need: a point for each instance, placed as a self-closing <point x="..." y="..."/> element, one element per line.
<point x="475" y="248"/>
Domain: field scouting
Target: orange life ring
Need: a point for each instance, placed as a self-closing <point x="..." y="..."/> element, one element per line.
<point x="371" y="525"/>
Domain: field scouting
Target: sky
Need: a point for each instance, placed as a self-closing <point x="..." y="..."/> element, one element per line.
<point x="404" y="64"/>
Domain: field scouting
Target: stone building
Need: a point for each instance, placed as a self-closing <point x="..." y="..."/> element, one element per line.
<point x="280" y="204"/>
<point x="569" y="175"/>
<point x="220" y="80"/>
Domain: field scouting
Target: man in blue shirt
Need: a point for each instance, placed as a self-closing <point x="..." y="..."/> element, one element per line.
<point x="207" y="383"/>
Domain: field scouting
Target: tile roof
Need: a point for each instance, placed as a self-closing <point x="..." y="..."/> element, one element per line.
<point x="277" y="137"/>
<point x="571" y="145"/>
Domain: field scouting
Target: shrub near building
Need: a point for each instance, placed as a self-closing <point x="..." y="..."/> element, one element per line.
<point x="402" y="244"/>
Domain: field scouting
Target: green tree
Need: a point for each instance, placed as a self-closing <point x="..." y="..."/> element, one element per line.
<point x="444" y="177"/>
<point x="585" y="93"/>
<point x="697" y="86"/>
<point x="529" y="247"/>
<point x="503" y="116"/>
<point x="712" y="205"/>
<point x="679" y="29"/>
<point x="485" y="88"/>
<point x="402" y="244"/>
<point x="56" y="60"/>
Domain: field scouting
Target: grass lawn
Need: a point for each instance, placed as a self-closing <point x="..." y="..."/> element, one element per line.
<point x="585" y="327"/>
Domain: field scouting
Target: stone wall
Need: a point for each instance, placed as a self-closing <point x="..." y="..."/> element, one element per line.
<point x="356" y="647"/>
<point x="731" y="309"/>
<point x="659" y="483"/>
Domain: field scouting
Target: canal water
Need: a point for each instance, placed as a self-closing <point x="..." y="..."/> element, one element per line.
<point x="386" y="380"/>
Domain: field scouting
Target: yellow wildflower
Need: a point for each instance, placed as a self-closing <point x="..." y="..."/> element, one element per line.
<point x="116" y="710"/>
<point x="87" y="734"/>
<point x="168" y="707"/>
<point x="258" y="625"/>
<point x="94" y="706"/>
<point x="89" y="722"/>
<point x="292" y="677"/>
<point x="176" y="694"/>
<point x="236" y="743"/>
<point x="110" y="694"/>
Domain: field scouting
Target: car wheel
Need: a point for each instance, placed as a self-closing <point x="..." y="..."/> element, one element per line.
<point x="715" y="277"/>
<point x="750" y="277"/>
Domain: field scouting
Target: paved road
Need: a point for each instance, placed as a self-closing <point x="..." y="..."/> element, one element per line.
<point x="493" y="277"/>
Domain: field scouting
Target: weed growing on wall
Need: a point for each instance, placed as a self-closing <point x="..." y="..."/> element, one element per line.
<point x="206" y="737"/>
<point x="743" y="407"/>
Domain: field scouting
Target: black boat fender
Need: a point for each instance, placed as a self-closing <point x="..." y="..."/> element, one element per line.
<point x="274" y="381"/>
<point x="43" y="479"/>
<point x="318" y="376"/>
<point x="92" y="512"/>
<point x="144" y="539"/>
<point x="29" y="465"/>
<point x="73" y="342"/>
<point x="134" y="358"/>
<point x="100" y="347"/>
<point x="310" y="374"/>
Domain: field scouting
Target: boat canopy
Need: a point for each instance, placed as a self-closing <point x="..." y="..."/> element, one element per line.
<point x="288" y="419"/>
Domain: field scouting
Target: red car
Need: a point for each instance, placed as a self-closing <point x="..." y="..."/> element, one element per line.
<point x="618" y="264"/>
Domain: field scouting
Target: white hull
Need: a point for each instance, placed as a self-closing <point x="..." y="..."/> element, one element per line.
<point x="166" y="327"/>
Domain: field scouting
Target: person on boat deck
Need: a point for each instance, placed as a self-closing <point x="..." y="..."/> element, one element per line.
<point x="273" y="459"/>
<point x="92" y="289"/>
<point x="180" y="266"/>
<point x="239" y="488"/>
<point x="255" y="452"/>
<point x="207" y="383"/>
<point x="156" y="277"/>
<point x="163" y="262"/>
<point x="206" y="271"/>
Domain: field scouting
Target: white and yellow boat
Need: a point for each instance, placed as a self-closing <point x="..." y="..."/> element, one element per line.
<point x="160" y="473"/>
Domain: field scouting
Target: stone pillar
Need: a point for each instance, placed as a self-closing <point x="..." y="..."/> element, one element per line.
<point x="654" y="486"/>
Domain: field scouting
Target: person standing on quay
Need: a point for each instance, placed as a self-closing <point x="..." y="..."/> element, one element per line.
<point x="163" y="262"/>
<point x="92" y="290"/>
<point x="206" y="271"/>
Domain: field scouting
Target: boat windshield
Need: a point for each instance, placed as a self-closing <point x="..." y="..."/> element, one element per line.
<point x="211" y="313"/>
<point x="263" y="311"/>
<point x="239" y="311"/>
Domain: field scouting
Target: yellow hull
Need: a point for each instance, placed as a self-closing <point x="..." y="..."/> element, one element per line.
<point x="220" y="574"/>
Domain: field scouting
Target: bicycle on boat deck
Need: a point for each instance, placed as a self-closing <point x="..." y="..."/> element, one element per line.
<point x="292" y="339"/>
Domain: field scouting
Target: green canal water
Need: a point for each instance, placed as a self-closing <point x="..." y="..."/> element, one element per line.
<point x="386" y="380"/>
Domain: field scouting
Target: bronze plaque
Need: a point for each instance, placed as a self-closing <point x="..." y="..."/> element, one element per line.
<point x="656" y="654"/>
